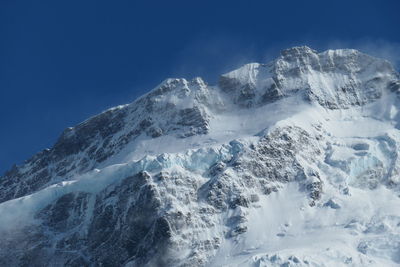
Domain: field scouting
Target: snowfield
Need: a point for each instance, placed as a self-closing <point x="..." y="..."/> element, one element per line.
<point x="290" y="163"/>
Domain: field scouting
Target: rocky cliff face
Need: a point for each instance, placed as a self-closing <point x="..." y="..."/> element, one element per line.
<point x="293" y="162"/>
<point x="335" y="78"/>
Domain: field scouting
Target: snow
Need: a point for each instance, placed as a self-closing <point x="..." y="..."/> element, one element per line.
<point x="286" y="226"/>
<point x="357" y="220"/>
<point x="254" y="73"/>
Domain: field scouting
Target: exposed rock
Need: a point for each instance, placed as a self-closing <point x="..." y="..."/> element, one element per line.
<point x="190" y="172"/>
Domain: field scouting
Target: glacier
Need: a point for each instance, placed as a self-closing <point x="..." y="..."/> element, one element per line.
<point x="288" y="163"/>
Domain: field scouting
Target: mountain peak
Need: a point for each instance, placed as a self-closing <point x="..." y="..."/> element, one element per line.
<point x="191" y="173"/>
<point x="334" y="78"/>
<point x="297" y="51"/>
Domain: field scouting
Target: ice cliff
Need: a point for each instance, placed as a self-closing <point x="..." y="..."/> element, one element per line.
<point x="289" y="163"/>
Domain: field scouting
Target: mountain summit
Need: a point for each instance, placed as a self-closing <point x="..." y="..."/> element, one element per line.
<point x="289" y="163"/>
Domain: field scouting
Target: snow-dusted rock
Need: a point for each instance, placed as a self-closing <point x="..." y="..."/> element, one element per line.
<point x="290" y="163"/>
<point x="334" y="78"/>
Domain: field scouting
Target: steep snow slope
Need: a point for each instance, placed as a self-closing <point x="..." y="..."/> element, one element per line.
<point x="290" y="163"/>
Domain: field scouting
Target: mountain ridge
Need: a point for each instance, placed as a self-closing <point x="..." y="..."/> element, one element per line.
<point x="178" y="176"/>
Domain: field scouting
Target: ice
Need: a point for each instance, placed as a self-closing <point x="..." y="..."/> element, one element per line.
<point x="296" y="164"/>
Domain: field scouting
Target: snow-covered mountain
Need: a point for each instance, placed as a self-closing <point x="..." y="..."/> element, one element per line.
<point x="290" y="163"/>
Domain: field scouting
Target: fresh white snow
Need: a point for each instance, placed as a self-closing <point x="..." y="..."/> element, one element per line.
<point x="357" y="220"/>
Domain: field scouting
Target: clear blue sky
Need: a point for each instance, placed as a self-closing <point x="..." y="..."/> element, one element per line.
<point x="63" y="61"/>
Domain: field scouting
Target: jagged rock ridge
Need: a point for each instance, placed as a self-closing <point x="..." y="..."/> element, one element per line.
<point x="198" y="175"/>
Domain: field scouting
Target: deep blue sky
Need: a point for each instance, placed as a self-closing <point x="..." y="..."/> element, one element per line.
<point x="63" y="61"/>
